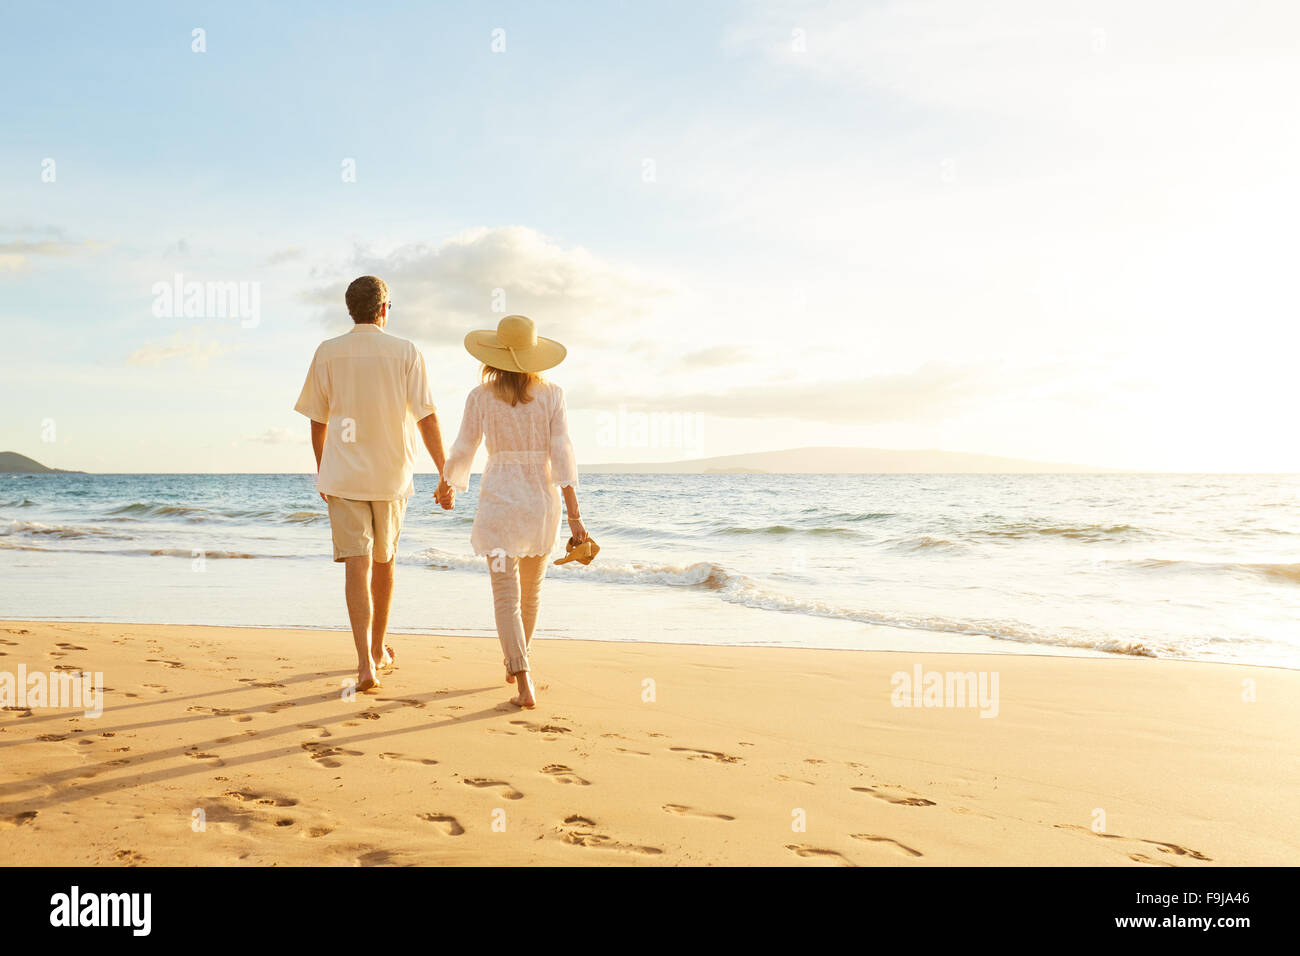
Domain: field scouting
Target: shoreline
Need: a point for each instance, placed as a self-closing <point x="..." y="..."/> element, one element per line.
<point x="488" y="631"/>
<point x="247" y="729"/>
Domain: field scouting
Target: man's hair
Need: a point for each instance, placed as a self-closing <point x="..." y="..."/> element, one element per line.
<point x="365" y="297"/>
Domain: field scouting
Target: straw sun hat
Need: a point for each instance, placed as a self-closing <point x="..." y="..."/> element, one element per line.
<point x="515" y="346"/>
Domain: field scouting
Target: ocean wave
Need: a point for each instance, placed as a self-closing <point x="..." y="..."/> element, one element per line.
<point x="140" y="510"/>
<point x="783" y="529"/>
<point x="926" y="543"/>
<point x="63" y="532"/>
<point x="305" y="517"/>
<point x="214" y="555"/>
<point x="155" y="510"/>
<point x="141" y="552"/>
<point x="1289" y="573"/>
<point x="739" y="589"/>
<point x="1086" y="532"/>
<point x="19" y="503"/>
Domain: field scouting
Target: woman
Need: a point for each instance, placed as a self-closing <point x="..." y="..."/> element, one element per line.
<point x="523" y="419"/>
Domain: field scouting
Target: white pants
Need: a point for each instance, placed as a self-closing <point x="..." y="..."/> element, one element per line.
<point x="516" y="591"/>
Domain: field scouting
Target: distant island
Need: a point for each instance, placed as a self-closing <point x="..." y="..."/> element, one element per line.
<point x="12" y="463"/>
<point x="852" y="461"/>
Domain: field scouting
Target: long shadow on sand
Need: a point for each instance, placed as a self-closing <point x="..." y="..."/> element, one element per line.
<point x="134" y="778"/>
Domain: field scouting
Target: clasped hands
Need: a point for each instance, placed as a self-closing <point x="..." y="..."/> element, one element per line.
<point x="445" y="495"/>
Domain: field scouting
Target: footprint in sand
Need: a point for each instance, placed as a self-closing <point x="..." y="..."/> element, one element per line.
<point x="325" y="756"/>
<point x="542" y="728"/>
<point x="507" y="791"/>
<point x="128" y="858"/>
<point x="370" y="715"/>
<point x="18" y="819"/>
<point x="586" y="837"/>
<point x="218" y="712"/>
<point x="69" y="647"/>
<point x="171" y="664"/>
<point x="1170" y="848"/>
<point x="206" y="756"/>
<point x="404" y="701"/>
<point x="444" y="821"/>
<point x="830" y="857"/>
<point x="316" y="832"/>
<point x="895" y="798"/>
<point x="378" y="857"/>
<point x="631" y="753"/>
<point x="562" y="774"/>
<point x="265" y="799"/>
<point x="683" y="811"/>
<point x="697" y="754"/>
<point x="874" y="838"/>
<point x="426" y="761"/>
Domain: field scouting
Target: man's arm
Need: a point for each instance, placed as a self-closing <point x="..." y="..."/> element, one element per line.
<point x="431" y="432"/>
<point x="318" y="430"/>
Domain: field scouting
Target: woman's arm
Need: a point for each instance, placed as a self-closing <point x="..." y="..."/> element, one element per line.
<point x="564" y="464"/>
<point x="455" y="474"/>
<point x="576" y="527"/>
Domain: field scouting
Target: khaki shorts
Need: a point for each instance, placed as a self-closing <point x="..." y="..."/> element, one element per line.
<point x="366" y="528"/>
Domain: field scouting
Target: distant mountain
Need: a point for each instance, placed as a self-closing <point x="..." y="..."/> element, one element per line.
<point x="13" y="463"/>
<point x="868" y="461"/>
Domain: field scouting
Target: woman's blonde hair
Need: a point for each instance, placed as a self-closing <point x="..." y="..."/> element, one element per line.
<point x="512" y="387"/>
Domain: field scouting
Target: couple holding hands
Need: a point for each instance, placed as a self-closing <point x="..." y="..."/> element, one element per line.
<point x="367" y="395"/>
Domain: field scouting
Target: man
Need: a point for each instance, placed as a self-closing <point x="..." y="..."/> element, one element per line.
<point x="366" y="395"/>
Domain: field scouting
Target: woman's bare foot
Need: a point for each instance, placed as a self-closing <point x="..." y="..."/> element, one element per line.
<point x="510" y="678"/>
<point x="386" y="658"/>
<point x="366" y="681"/>
<point x="526" y="698"/>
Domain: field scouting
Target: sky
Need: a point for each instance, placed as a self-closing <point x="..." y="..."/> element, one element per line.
<point x="1045" y="229"/>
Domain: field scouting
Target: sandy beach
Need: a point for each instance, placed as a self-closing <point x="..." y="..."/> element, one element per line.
<point x="221" y="746"/>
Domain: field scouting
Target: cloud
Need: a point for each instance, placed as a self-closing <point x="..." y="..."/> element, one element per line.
<point x="191" y="349"/>
<point x="278" y="436"/>
<point x="927" y="393"/>
<point x="472" y="279"/>
<point x="715" y="356"/>
<point x="281" y="256"/>
<point x="15" y="255"/>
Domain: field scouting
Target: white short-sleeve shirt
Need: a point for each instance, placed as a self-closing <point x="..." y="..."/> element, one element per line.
<point x="370" y="388"/>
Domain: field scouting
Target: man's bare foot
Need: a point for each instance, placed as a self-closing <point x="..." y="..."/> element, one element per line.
<point x="526" y="698"/>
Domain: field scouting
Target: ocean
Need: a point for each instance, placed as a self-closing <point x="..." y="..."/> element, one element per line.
<point x="1198" y="567"/>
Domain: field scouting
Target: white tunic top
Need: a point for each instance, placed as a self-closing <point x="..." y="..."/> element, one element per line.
<point x="370" y="388"/>
<point x="530" y="457"/>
